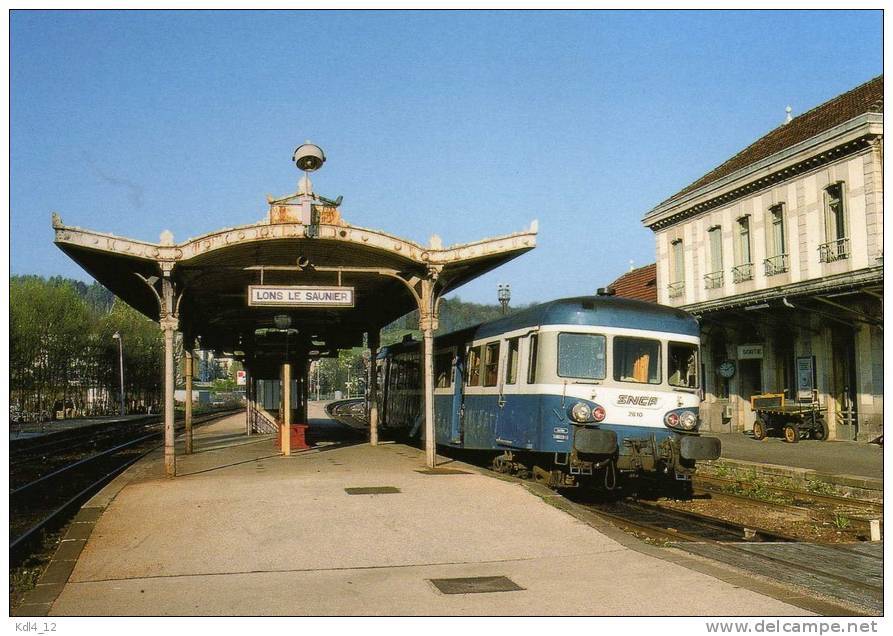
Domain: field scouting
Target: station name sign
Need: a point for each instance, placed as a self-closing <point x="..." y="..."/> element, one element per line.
<point x="299" y="296"/>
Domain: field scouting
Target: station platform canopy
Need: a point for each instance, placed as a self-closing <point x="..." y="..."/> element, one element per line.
<point x="212" y="276"/>
<point x="299" y="285"/>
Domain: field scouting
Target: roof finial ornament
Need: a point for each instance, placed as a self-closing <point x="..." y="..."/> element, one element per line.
<point x="788" y="117"/>
<point x="632" y="264"/>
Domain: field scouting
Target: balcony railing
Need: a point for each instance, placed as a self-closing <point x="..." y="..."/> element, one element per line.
<point x="742" y="272"/>
<point x="776" y="264"/>
<point x="713" y="280"/>
<point x="676" y="289"/>
<point x="834" y="251"/>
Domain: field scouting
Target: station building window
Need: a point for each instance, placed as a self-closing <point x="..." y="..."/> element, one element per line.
<point x="777" y="258"/>
<point x="837" y="244"/>
<point x="714" y="278"/>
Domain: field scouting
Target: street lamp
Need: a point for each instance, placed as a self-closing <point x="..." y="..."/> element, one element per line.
<point x="117" y="336"/>
<point x="504" y="294"/>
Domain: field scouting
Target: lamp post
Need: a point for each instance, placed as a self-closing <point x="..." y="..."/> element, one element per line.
<point x="117" y="336"/>
<point x="504" y="294"/>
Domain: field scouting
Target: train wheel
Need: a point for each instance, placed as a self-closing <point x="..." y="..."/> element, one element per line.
<point x="759" y="429"/>
<point x="791" y="433"/>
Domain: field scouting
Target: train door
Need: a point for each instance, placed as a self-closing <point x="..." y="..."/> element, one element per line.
<point x="510" y="421"/>
<point x="457" y="416"/>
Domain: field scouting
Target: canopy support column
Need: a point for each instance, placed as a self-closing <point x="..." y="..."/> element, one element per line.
<point x="169" y="324"/>
<point x="249" y="397"/>
<point x="428" y="324"/>
<point x="286" y="409"/>
<point x="187" y="405"/>
<point x="372" y="383"/>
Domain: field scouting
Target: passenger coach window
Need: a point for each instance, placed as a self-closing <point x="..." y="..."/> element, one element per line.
<point x="473" y="367"/>
<point x="683" y="365"/>
<point x="581" y="355"/>
<point x="443" y="365"/>
<point x="491" y="364"/>
<point x="636" y="360"/>
<point x="531" y="360"/>
<point x="511" y="366"/>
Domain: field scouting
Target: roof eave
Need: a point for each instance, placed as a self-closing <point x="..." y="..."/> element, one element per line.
<point x="865" y="124"/>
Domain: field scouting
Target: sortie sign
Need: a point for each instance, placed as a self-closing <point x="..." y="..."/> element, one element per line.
<point x="299" y="296"/>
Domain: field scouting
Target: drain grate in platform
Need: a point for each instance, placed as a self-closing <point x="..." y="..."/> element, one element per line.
<point x="443" y="471"/>
<point x="372" y="490"/>
<point x="476" y="585"/>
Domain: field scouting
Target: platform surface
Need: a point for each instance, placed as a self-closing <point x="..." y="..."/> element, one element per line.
<point x="244" y="531"/>
<point x="829" y="457"/>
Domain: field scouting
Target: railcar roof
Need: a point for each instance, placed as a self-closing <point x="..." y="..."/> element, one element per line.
<point x="596" y="311"/>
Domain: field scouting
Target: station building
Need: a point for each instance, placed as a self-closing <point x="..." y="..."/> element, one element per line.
<point x="779" y="253"/>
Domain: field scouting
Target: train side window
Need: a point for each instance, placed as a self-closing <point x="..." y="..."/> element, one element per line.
<point x="531" y="359"/>
<point x="473" y="367"/>
<point x="491" y="364"/>
<point x="443" y="365"/>
<point x="636" y="360"/>
<point x="511" y="363"/>
<point x="683" y="365"/>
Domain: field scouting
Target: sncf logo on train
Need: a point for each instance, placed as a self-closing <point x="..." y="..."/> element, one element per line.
<point x="299" y="296"/>
<point x="637" y="400"/>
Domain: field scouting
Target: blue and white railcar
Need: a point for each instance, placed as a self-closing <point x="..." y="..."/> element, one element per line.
<point x="576" y="390"/>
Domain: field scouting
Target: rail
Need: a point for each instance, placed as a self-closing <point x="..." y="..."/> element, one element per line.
<point x="834" y="250"/>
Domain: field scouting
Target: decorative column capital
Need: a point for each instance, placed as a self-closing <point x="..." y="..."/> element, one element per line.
<point x="169" y="323"/>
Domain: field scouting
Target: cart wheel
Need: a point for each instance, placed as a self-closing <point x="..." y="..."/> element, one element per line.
<point x="759" y="429"/>
<point x="791" y="433"/>
<point x="820" y="432"/>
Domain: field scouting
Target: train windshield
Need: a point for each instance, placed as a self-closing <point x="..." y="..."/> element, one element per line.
<point x="683" y="365"/>
<point x="637" y="360"/>
<point x="581" y="355"/>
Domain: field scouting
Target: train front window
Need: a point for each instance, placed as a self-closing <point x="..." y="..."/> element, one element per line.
<point x="683" y="365"/>
<point x="581" y="355"/>
<point x="636" y="360"/>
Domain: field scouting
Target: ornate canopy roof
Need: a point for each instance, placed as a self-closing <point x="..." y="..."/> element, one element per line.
<point x="211" y="274"/>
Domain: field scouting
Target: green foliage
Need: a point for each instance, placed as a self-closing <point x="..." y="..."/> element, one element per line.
<point x="841" y="521"/>
<point x="63" y="356"/>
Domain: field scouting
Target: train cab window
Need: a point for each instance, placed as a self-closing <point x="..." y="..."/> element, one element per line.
<point x="581" y="355"/>
<point x="531" y="360"/>
<point x="443" y="367"/>
<point x="491" y="364"/>
<point x="682" y="365"/>
<point x="473" y="367"/>
<point x="511" y="363"/>
<point x="636" y="360"/>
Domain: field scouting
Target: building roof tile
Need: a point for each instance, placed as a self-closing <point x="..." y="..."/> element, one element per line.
<point x="868" y="97"/>
<point x="640" y="284"/>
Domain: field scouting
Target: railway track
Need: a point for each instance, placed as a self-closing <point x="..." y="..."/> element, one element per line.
<point x="47" y="501"/>
<point x="848" y="574"/>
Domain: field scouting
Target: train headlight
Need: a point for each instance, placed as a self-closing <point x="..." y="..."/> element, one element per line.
<point x="598" y="414"/>
<point x="688" y="420"/>
<point x="682" y="419"/>
<point x="580" y="412"/>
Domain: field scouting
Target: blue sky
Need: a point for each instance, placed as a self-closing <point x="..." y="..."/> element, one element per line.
<point x="464" y="124"/>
